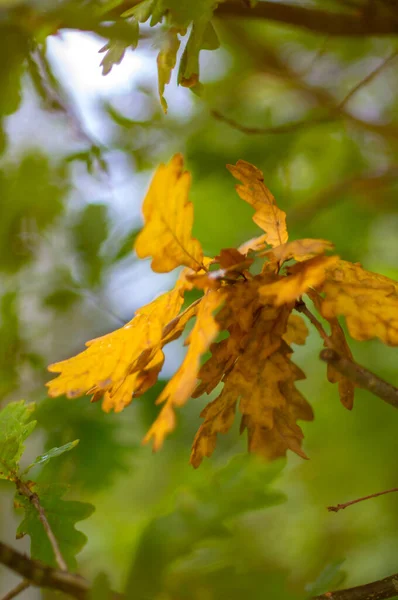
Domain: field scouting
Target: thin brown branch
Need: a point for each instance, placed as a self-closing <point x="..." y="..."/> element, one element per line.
<point x="301" y="307"/>
<point x="352" y="24"/>
<point x="343" y="506"/>
<point x="33" y="498"/>
<point x="291" y="127"/>
<point x="377" y="590"/>
<point x="40" y="575"/>
<point x="361" y="376"/>
<point x="17" y="590"/>
<point x="368" y="78"/>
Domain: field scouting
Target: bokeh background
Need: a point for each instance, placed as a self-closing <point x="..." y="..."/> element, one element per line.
<point x="78" y="150"/>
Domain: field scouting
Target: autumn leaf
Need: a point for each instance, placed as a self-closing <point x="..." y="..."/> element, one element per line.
<point x="368" y="301"/>
<point x="300" y="277"/>
<point x="296" y="330"/>
<point x="267" y="216"/>
<point x="182" y="384"/>
<point x="271" y="407"/>
<point x="168" y="216"/>
<point x="300" y="250"/>
<point x="117" y="364"/>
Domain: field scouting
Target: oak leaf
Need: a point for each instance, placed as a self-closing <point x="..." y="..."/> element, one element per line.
<point x="296" y="330"/>
<point x="300" y="250"/>
<point x="181" y="385"/>
<point x="301" y="276"/>
<point x="168" y="215"/>
<point x="368" y="301"/>
<point x="115" y="364"/>
<point x="267" y="216"/>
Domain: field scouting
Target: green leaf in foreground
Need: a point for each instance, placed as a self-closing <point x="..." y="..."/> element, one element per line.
<point x="62" y="516"/>
<point x="15" y="427"/>
<point x="47" y="456"/>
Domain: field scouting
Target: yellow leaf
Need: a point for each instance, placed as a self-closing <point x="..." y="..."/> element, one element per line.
<point x="299" y="250"/>
<point x="115" y="364"/>
<point x="368" y="301"/>
<point x="297" y="331"/>
<point x="181" y="386"/>
<point x="267" y="216"/>
<point x="168" y="215"/>
<point x="301" y="277"/>
<point x="255" y="244"/>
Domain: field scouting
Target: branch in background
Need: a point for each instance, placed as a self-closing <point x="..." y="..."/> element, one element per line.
<point x="40" y="575"/>
<point x="343" y="506"/>
<point x="361" y="376"/>
<point x="377" y="590"/>
<point x="364" y="182"/>
<point x="283" y="128"/>
<point x="21" y="587"/>
<point x="33" y="498"/>
<point x="353" y="23"/>
<point x="368" y="78"/>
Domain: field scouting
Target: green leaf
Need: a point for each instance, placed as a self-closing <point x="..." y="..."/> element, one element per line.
<point x="63" y="419"/>
<point x="166" y="62"/>
<point x="54" y="452"/>
<point x="202" y="37"/>
<point x="330" y="578"/>
<point x="116" y="49"/>
<point x="15" y="427"/>
<point x="101" y="589"/>
<point x="11" y="344"/>
<point x="89" y="233"/>
<point x="62" y="516"/>
<point x="13" y="51"/>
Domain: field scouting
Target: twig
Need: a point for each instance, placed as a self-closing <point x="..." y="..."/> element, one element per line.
<point x="367" y="79"/>
<point x="40" y="575"/>
<point x="343" y="506"/>
<point x="377" y="590"/>
<point x="277" y="129"/>
<point x="17" y="590"/>
<point x="301" y="307"/>
<point x="33" y="498"/>
<point x="361" y="376"/>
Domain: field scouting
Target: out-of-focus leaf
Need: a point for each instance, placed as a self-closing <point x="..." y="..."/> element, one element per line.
<point x="62" y="516"/>
<point x="15" y="427"/>
<point x="11" y="344"/>
<point x="32" y="193"/>
<point x="166" y="62"/>
<point x="63" y="420"/>
<point x="116" y="49"/>
<point x="330" y="578"/>
<point x="64" y="291"/>
<point x="43" y="459"/>
<point x="201" y="516"/>
<point x="13" y="50"/>
<point x="203" y="37"/>
<point x="89" y="232"/>
<point x="126" y="245"/>
<point x="101" y="588"/>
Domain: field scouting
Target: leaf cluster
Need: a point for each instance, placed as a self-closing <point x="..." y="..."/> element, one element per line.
<point x="249" y="295"/>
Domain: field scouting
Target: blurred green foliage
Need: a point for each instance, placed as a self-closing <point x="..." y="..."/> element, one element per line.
<point x="70" y="197"/>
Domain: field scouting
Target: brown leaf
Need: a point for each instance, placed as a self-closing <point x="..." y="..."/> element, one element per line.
<point x="267" y="216"/>
<point x="297" y="331"/>
<point x="300" y="250"/>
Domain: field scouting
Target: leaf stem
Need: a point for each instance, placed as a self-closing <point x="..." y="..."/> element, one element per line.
<point x="343" y="506"/>
<point x="33" y="498"/>
<point x="301" y="307"/>
<point x="361" y="376"/>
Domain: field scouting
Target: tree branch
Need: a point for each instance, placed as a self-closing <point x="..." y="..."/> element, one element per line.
<point x="40" y="575"/>
<point x="350" y="24"/>
<point x="343" y="506"/>
<point x="300" y="306"/>
<point x="361" y="376"/>
<point x="33" y="498"/>
<point x="17" y="590"/>
<point x="377" y="590"/>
